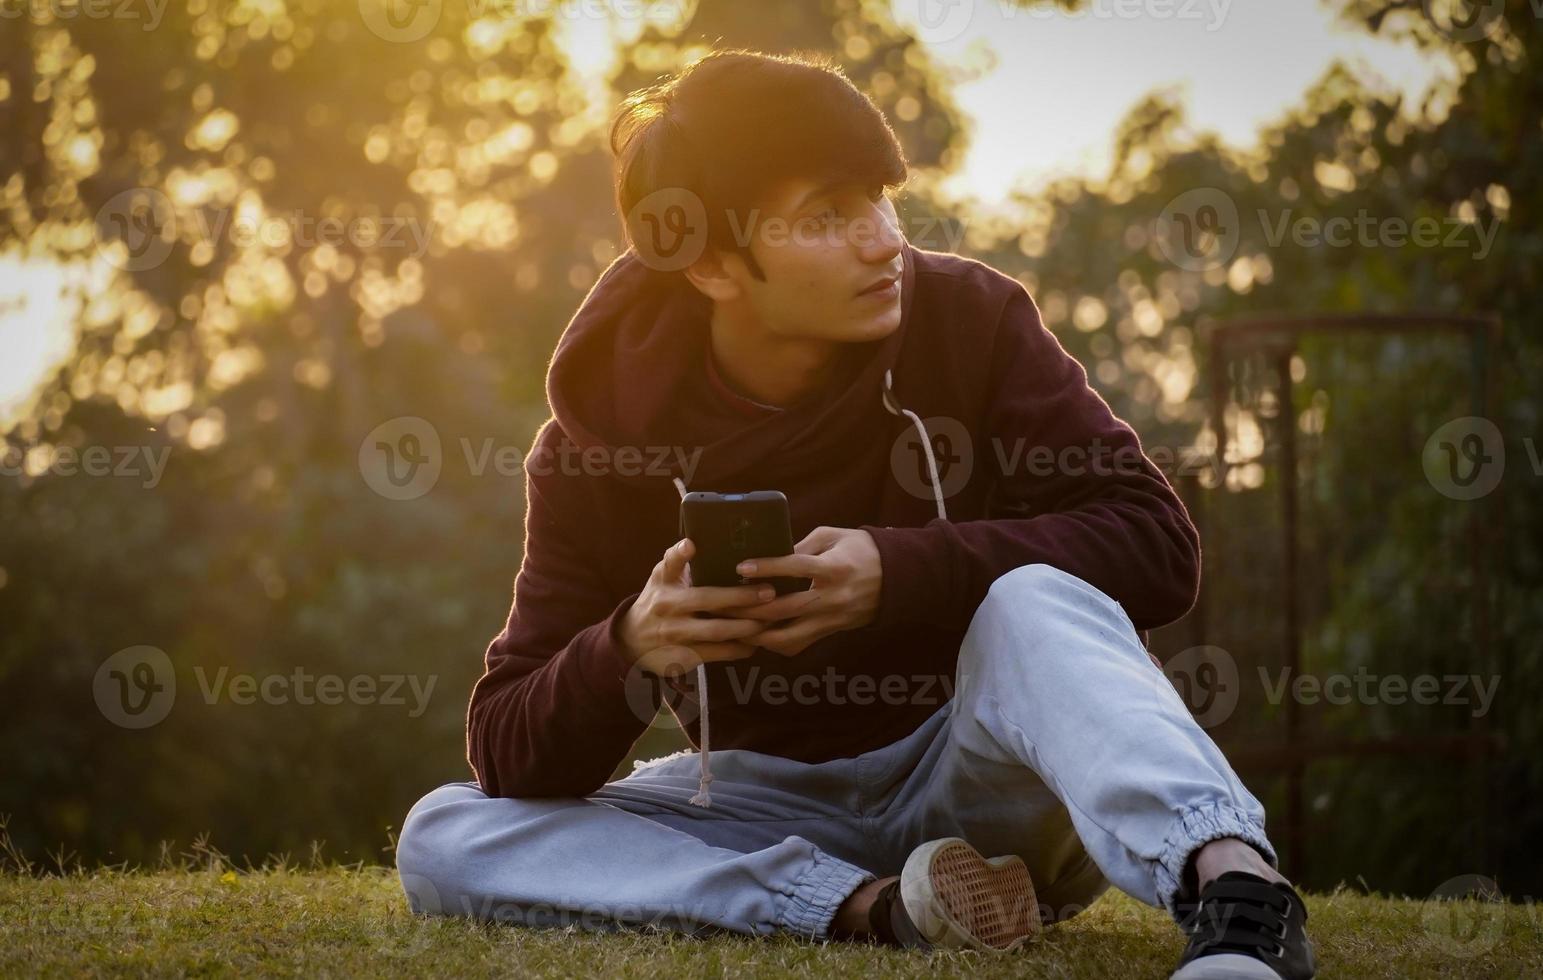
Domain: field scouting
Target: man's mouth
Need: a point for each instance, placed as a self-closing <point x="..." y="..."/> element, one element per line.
<point x="882" y="287"/>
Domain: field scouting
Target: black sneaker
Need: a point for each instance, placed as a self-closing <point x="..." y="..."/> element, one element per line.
<point x="1245" y="927"/>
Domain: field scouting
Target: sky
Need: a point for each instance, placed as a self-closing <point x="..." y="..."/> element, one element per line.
<point x="1060" y="84"/>
<point x="1063" y="81"/>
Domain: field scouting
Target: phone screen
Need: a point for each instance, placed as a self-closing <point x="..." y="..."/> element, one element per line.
<point x="728" y="528"/>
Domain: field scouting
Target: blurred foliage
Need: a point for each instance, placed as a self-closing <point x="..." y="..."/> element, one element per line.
<point x="1385" y="581"/>
<point x="263" y="360"/>
<point x="263" y="364"/>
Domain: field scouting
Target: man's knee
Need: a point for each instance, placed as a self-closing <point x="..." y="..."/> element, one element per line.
<point x="1035" y="612"/>
<point x="427" y="849"/>
<point x="1032" y="592"/>
<point x="1040" y="582"/>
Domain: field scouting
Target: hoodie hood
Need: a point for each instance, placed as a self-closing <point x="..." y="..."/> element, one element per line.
<point x="630" y="359"/>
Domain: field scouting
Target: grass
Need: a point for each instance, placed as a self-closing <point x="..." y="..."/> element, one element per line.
<point x="352" y="921"/>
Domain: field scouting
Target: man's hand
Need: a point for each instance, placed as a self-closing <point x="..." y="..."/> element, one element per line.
<point x="846" y="575"/>
<point x="662" y="631"/>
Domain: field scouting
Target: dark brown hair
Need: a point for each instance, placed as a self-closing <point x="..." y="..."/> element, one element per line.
<point x="732" y="124"/>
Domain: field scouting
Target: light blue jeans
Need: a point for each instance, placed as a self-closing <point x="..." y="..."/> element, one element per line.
<point x="1063" y="744"/>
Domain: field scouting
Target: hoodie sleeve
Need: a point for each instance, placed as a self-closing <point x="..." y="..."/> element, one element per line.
<point x="553" y="714"/>
<point x="1092" y="503"/>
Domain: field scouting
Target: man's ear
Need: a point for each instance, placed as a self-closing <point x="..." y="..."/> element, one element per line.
<point x="711" y="276"/>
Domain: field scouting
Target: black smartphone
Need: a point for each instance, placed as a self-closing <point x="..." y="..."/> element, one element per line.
<point x="728" y="528"/>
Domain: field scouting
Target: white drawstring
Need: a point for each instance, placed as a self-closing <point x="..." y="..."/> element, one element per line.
<point x="895" y="408"/>
<point x="703" y="797"/>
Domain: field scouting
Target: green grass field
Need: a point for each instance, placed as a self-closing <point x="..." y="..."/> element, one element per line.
<point x="352" y="922"/>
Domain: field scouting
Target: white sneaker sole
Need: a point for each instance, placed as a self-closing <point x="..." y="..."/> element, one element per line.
<point x="1225" y="966"/>
<point x="958" y="899"/>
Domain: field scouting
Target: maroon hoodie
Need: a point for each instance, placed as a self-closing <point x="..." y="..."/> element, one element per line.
<point x="1032" y="465"/>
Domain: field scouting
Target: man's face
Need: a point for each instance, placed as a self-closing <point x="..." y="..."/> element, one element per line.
<point x="819" y="248"/>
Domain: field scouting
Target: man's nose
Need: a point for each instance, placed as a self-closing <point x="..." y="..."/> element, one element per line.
<point x="884" y="238"/>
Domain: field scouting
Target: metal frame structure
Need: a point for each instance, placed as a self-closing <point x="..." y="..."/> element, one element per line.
<point x="1277" y="337"/>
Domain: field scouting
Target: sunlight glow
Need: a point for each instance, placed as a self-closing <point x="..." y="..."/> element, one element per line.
<point x="37" y="334"/>
<point x="1063" y="81"/>
<point x="1042" y="90"/>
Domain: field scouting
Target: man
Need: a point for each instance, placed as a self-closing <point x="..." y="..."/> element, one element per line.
<point x="984" y="540"/>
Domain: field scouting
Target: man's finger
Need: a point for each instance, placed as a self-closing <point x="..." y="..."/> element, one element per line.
<point x="794" y="637"/>
<point x="717" y="597"/>
<point x="717" y="629"/>
<point x="675" y="559"/>
<point x="798" y="566"/>
<point x="782" y="607"/>
<point x="724" y="651"/>
<point x="818" y="540"/>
